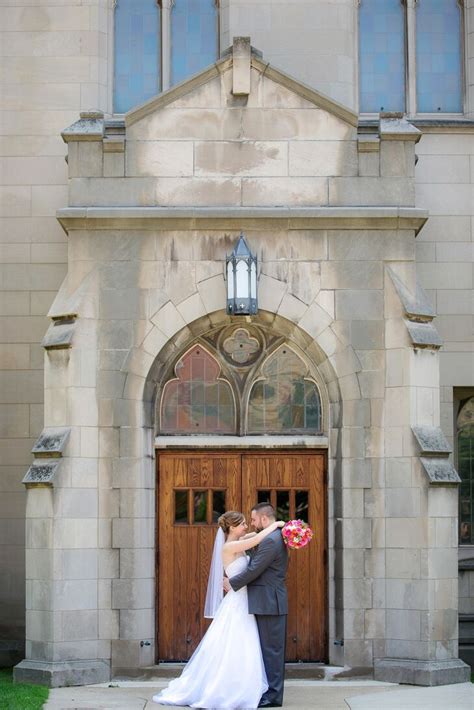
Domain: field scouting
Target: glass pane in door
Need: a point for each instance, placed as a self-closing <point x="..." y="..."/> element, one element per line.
<point x="181" y="507"/>
<point x="283" y="505"/>
<point x="200" y="506"/>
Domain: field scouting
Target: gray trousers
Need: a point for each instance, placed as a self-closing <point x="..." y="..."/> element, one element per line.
<point x="272" y="632"/>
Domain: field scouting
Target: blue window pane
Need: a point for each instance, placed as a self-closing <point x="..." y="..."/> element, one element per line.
<point x="381" y="56"/>
<point x="438" y="56"/>
<point x="193" y="37"/>
<point x="137" y="53"/>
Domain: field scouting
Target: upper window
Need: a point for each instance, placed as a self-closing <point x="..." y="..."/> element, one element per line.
<point x="410" y="56"/>
<point x="159" y="43"/>
<point x="382" y="56"/>
<point x="438" y="56"/>
<point x="194" y="37"/>
<point x="137" y="53"/>
<point x="465" y="464"/>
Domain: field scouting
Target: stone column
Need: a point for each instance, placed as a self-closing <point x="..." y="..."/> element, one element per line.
<point x="66" y="560"/>
<point x="63" y="560"/>
<point x="420" y="595"/>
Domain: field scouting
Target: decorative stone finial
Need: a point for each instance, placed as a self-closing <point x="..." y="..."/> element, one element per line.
<point x="241" y="52"/>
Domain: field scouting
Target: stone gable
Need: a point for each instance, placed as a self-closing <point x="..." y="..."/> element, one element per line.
<point x="201" y="144"/>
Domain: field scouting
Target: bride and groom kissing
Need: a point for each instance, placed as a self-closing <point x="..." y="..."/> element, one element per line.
<point x="240" y="662"/>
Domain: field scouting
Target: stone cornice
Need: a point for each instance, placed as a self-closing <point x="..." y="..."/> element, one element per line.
<point x="228" y="217"/>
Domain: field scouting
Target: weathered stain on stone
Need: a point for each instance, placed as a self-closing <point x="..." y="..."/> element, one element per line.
<point x="241" y="158"/>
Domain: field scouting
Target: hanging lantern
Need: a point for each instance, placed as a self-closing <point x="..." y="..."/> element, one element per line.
<point x="241" y="271"/>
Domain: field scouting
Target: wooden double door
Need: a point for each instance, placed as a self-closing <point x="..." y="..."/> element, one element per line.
<point x="193" y="489"/>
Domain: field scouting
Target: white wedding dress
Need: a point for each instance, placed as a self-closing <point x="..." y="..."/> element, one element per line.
<point x="226" y="670"/>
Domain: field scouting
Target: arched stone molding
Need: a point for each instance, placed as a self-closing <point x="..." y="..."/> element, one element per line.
<point x="314" y="316"/>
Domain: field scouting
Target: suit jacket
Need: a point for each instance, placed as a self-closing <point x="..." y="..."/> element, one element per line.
<point x="265" y="577"/>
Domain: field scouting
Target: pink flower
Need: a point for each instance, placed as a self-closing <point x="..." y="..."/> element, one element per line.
<point x="297" y="534"/>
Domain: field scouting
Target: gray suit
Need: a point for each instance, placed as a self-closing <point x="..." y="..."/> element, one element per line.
<point x="268" y="600"/>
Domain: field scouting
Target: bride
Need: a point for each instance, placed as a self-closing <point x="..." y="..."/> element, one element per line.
<point x="226" y="670"/>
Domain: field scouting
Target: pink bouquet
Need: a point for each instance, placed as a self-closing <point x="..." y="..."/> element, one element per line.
<point x="296" y="534"/>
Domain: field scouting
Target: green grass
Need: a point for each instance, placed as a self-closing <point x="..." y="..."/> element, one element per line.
<point x="20" y="696"/>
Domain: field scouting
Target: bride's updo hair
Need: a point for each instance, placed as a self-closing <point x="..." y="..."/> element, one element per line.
<point x="230" y="520"/>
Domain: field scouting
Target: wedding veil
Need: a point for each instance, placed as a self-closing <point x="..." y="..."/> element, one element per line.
<point x="215" y="590"/>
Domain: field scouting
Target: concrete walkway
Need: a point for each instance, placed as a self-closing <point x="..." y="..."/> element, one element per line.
<point x="299" y="695"/>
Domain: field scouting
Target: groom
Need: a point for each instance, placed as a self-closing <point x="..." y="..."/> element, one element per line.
<point x="268" y="600"/>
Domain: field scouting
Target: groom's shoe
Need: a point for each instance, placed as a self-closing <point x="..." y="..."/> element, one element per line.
<point x="268" y="704"/>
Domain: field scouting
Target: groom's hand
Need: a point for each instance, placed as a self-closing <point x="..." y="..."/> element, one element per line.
<point x="226" y="585"/>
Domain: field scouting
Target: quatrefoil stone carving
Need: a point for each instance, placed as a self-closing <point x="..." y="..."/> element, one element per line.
<point x="240" y="346"/>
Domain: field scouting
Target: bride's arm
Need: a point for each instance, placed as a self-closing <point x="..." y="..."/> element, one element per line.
<point x="246" y="544"/>
<point x="248" y="536"/>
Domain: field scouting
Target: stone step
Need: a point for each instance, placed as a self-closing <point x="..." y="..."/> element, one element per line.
<point x="306" y="671"/>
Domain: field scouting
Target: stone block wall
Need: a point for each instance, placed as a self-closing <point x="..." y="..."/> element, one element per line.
<point x="445" y="255"/>
<point x="34" y="255"/>
<point x="54" y="64"/>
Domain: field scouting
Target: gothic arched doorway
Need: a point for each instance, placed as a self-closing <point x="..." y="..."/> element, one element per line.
<point x="234" y="385"/>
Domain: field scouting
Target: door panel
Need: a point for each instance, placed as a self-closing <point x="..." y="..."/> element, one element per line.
<point x="191" y="489"/>
<point x="186" y="527"/>
<point x="289" y="478"/>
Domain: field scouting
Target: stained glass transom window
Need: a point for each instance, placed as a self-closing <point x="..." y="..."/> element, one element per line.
<point x="137" y="53"/>
<point x="438" y="56"/>
<point x="284" y="400"/>
<point x="465" y="461"/>
<point x="382" y="55"/>
<point x="194" y="37"/>
<point x="197" y="401"/>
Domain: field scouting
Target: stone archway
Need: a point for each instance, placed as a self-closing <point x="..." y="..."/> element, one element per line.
<point x="146" y="369"/>
<point x="236" y="470"/>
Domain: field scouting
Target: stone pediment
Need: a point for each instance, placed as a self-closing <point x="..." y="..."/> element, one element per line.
<point x="267" y="87"/>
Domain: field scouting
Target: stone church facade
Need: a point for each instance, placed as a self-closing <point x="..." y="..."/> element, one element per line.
<point x="341" y="399"/>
